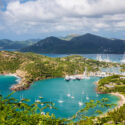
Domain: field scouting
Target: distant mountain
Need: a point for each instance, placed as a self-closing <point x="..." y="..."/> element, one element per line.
<point x="9" y="44"/>
<point x="87" y="43"/>
<point x="48" y="45"/>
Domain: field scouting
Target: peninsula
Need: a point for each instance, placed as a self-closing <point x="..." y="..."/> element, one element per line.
<point x="32" y="67"/>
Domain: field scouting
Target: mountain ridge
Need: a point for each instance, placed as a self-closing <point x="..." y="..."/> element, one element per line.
<point x="83" y="44"/>
<point x="9" y="44"/>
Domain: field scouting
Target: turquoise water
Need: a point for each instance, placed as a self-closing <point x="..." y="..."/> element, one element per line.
<point x="58" y="90"/>
<point x="5" y="84"/>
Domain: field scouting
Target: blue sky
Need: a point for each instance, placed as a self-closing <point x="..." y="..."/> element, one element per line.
<point x="25" y="19"/>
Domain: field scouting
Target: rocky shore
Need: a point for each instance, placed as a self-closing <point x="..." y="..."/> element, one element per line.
<point x="21" y="84"/>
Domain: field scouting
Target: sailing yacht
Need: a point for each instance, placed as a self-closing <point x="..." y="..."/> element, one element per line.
<point x="60" y="101"/>
<point x="107" y="59"/>
<point x="85" y="74"/>
<point x="69" y="95"/>
<point x="80" y="103"/>
<point x="67" y="78"/>
<point x="87" y="98"/>
<point x="37" y="100"/>
<point x="99" y="58"/>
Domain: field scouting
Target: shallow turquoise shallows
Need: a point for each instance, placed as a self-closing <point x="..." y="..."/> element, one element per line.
<point x="67" y="96"/>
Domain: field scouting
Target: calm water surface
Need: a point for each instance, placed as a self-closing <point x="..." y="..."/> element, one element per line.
<point x="56" y="90"/>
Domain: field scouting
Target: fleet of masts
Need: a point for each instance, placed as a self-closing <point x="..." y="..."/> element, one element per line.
<point x="107" y="59"/>
<point x="98" y="74"/>
<point x="81" y="102"/>
<point x="88" y="75"/>
<point x="99" y="58"/>
<point x="77" y="77"/>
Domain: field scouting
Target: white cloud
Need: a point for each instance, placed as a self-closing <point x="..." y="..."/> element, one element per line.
<point x="121" y="24"/>
<point x="63" y="15"/>
<point x="102" y="25"/>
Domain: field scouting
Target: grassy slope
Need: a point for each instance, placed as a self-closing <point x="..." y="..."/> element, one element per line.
<point x="32" y="67"/>
<point x="118" y="115"/>
<point x="115" y="80"/>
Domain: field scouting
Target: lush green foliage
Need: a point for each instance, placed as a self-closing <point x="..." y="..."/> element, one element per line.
<point x="32" y="67"/>
<point x="85" y="120"/>
<point x="123" y="67"/>
<point x="117" y="81"/>
<point x="9" y="44"/>
<point x="118" y="115"/>
<point x="19" y="112"/>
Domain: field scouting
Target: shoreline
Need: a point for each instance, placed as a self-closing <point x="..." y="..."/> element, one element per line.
<point x="121" y="101"/>
<point x="18" y="85"/>
<point x="15" y="75"/>
<point x="23" y="83"/>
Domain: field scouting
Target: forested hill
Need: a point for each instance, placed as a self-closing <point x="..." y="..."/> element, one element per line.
<point x="32" y="67"/>
<point x="9" y="44"/>
<point x="87" y="43"/>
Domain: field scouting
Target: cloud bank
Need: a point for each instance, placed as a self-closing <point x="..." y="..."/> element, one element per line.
<point x="44" y="16"/>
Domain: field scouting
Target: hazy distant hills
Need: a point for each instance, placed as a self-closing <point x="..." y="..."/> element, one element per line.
<point x="9" y="44"/>
<point x="87" y="43"/>
<point x="71" y="44"/>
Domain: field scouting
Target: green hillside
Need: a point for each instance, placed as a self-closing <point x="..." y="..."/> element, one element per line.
<point x="32" y="67"/>
<point x="9" y="44"/>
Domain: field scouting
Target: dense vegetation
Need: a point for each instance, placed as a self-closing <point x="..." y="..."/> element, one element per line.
<point x="32" y="67"/>
<point x="87" y="43"/>
<point x="123" y="68"/>
<point x="19" y="112"/>
<point x="115" y="83"/>
<point x="117" y="117"/>
<point x="118" y="85"/>
<point x="9" y="44"/>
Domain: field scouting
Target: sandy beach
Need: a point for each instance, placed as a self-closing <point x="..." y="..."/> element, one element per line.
<point x="121" y="101"/>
